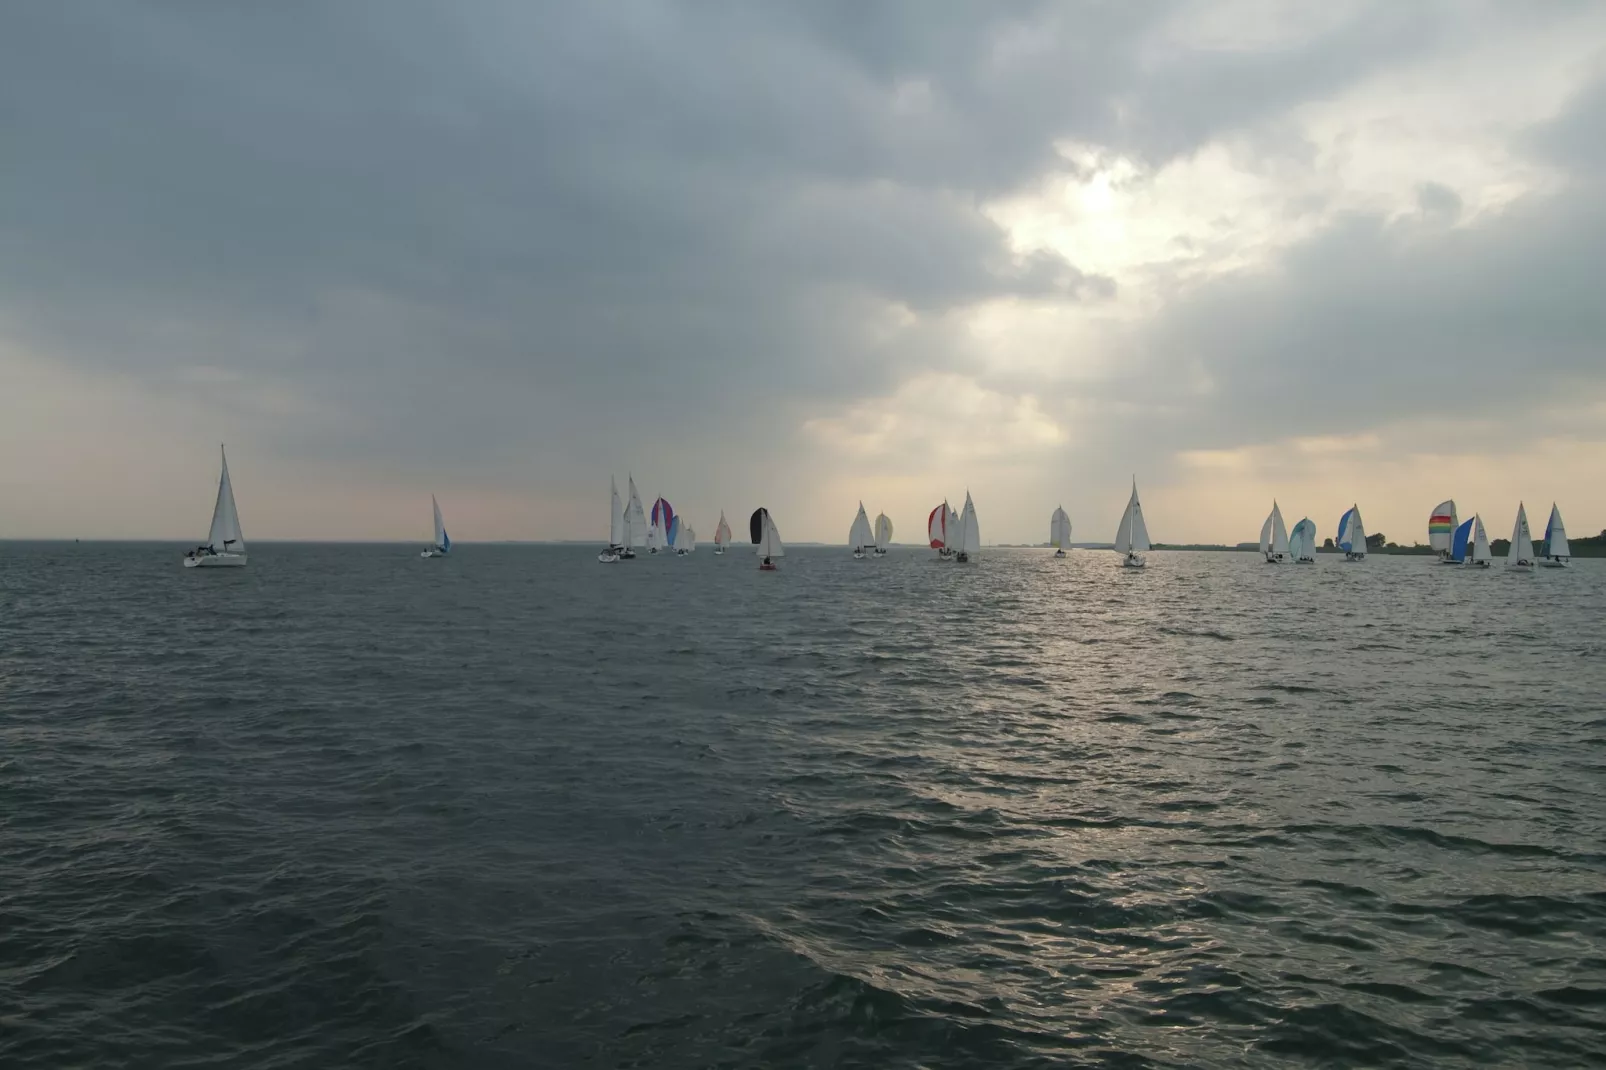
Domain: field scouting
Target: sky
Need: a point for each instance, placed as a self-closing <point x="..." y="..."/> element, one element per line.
<point x="800" y="255"/>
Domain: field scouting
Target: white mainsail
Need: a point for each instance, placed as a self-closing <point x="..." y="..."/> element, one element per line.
<point x="225" y="536"/>
<point x="1480" y="543"/>
<point x="1556" y="548"/>
<point x="766" y="536"/>
<point x="616" y="515"/>
<point x="443" y="542"/>
<point x="1522" y="543"/>
<point x="1132" y="537"/>
<point x="883" y="530"/>
<point x="1274" y="535"/>
<point x="969" y="539"/>
<point x="635" y="519"/>
<point x="859" y="535"/>
<point x="1059" y="529"/>
<point x="952" y="522"/>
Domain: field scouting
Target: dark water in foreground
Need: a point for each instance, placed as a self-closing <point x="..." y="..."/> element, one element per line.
<point x="351" y="808"/>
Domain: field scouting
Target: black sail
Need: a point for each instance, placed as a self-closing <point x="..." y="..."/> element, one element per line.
<point x="755" y="525"/>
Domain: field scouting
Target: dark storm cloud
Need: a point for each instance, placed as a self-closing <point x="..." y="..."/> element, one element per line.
<point x="633" y="204"/>
<point x="529" y="226"/>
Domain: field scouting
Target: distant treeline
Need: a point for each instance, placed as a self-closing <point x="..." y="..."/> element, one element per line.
<point x="1581" y="546"/>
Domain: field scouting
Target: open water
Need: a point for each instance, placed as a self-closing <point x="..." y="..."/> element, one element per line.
<point x="352" y="808"/>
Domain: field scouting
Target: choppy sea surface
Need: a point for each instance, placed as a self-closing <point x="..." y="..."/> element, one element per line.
<point x="514" y="808"/>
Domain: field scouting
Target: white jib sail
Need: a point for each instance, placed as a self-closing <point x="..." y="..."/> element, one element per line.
<point x="440" y="525"/>
<point x="1265" y="536"/>
<point x="1279" y="532"/>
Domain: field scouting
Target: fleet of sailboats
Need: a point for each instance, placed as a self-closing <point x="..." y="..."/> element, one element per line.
<point x="957" y="536"/>
<point x="1132" y="536"/>
<point x="1274" y="537"/>
<point x="1059" y="531"/>
<point x="225" y="543"/>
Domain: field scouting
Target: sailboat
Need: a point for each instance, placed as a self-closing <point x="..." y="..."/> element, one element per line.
<point x="937" y="531"/>
<point x="1442" y="523"/>
<point x="1352" y="535"/>
<point x="672" y="535"/>
<point x="1480" y="555"/>
<point x="722" y="535"/>
<point x="1274" y="537"/>
<point x="1461" y="542"/>
<point x="969" y="541"/>
<point x="616" y="525"/>
<point x="1302" y="542"/>
<point x="1556" y="549"/>
<point x="443" y="542"/>
<point x="1132" y="537"/>
<point x="686" y="541"/>
<point x="883" y="534"/>
<point x="1059" y="531"/>
<point x="860" y="537"/>
<point x="225" y="544"/>
<point x="1521" y="554"/>
<point x="766" y="538"/>
<point x="635" y="525"/>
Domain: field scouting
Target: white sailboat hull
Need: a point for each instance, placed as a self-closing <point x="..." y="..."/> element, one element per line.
<point x="216" y="561"/>
<point x="1132" y="561"/>
<point x="1551" y="562"/>
<point x="432" y="552"/>
<point x="1059" y="553"/>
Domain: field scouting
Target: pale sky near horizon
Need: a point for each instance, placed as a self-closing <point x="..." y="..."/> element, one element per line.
<point x="800" y="255"/>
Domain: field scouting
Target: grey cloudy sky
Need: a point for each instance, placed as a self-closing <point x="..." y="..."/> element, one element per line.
<point x="799" y="254"/>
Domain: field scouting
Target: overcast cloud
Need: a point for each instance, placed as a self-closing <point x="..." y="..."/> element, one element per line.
<point x="799" y="254"/>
